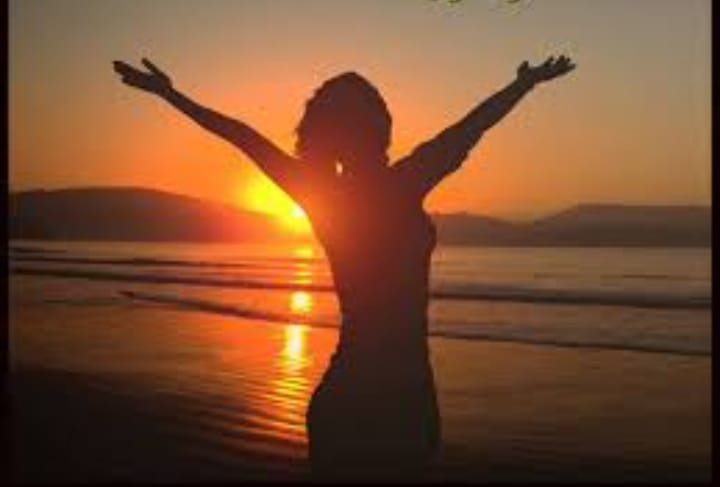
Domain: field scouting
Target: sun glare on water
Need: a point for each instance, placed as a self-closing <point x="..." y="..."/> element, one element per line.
<point x="295" y="342"/>
<point x="301" y="302"/>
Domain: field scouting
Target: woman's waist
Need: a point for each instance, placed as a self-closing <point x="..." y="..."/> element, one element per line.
<point x="382" y="283"/>
<point x="407" y="367"/>
<point x="384" y="331"/>
<point x="409" y="306"/>
<point x="382" y="349"/>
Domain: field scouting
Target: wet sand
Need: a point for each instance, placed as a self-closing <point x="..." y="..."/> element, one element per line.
<point x="115" y="391"/>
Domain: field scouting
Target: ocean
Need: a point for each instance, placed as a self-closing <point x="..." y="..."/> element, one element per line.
<point x="646" y="299"/>
<point x="571" y="363"/>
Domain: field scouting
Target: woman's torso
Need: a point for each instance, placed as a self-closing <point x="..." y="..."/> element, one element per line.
<point x="378" y="241"/>
<point x="376" y="403"/>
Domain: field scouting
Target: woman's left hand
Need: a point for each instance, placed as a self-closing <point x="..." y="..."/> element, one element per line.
<point x="552" y="68"/>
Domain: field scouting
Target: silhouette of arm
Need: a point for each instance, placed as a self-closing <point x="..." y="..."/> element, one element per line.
<point x="279" y="166"/>
<point x="431" y="161"/>
<point x="282" y="168"/>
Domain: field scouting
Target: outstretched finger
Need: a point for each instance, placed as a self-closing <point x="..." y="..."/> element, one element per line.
<point x="153" y="69"/>
<point x="564" y="69"/>
<point x="123" y="68"/>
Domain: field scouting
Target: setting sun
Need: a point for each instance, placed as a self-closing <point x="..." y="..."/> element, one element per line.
<point x="262" y="196"/>
<point x="297" y="220"/>
<point x="298" y="212"/>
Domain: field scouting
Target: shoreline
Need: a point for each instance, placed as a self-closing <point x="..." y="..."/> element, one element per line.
<point x="115" y="391"/>
<point x="108" y="428"/>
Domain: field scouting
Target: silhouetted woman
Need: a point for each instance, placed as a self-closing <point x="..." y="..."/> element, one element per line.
<point x="375" y="413"/>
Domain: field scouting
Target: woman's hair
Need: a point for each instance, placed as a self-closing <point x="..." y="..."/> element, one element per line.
<point x="346" y="121"/>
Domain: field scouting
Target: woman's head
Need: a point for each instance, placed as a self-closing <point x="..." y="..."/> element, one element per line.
<point x="345" y="121"/>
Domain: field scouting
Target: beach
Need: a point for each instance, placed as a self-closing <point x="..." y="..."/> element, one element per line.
<point x="211" y="204"/>
<point x="104" y="388"/>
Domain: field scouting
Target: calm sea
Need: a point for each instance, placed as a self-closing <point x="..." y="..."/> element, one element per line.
<point x="643" y="299"/>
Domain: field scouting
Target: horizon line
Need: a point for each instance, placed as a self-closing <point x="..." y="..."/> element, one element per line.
<point x="563" y="209"/>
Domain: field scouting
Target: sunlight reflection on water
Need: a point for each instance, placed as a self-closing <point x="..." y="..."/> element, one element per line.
<point x="292" y="381"/>
<point x="301" y="302"/>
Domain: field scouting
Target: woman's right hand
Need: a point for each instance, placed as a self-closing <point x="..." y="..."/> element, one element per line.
<point x="155" y="81"/>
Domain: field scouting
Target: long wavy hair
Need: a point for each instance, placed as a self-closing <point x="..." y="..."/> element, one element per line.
<point x="346" y="121"/>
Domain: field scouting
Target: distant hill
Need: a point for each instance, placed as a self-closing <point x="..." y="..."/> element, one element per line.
<point x="600" y="225"/>
<point x="588" y="225"/>
<point x="468" y="229"/>
<point x="131" y="214"/>
<point x="142" y="214"/>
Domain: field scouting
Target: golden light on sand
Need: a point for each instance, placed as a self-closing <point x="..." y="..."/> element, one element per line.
<point x="301" y="302"/>
<point x="295" y="343"/>
<point x="291" y="389"/>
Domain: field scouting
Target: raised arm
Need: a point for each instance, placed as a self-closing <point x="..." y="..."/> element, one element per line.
<point x="431" y="161"/>
<point x="282" y="168"/>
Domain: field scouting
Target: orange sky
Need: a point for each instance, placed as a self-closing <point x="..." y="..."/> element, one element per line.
<point x="630" y="125"/>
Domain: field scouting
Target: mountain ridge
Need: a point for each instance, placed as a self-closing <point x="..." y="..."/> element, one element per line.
<point x="132" y="213"/>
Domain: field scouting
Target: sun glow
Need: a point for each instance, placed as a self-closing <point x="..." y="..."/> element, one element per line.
<point x="262" y="196"/>
<point x="297" y="220"/>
